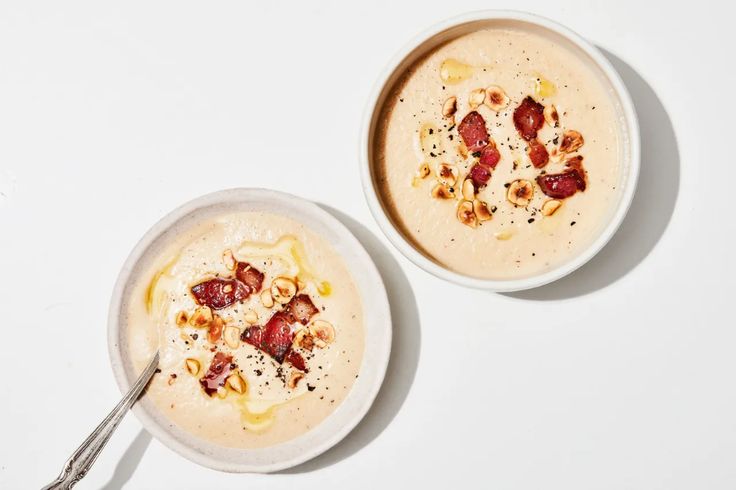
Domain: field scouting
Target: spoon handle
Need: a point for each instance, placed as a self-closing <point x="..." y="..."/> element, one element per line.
<point x="77" y="466"/>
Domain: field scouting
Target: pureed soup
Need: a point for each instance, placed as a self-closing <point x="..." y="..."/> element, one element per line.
<point x="497" y="155"/>
<point x="259" y="325"/>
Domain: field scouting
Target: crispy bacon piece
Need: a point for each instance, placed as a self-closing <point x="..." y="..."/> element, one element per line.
<point x="296" y="360"/>
<point x="563" y="185"/>
<point x="249" y="275"/>
<point x="274" y="338"/>
<point x="529" y="118"/>
<point x="300" y="309"/>
<point x="220" y="293"/>
<point x="217" y="373"/>
<point x="490" y="156"/>
<point x="473" y="131"/>
<point x="537" y="153"/>
<point x="575" y="162"/>
<point x="480" y="175"/>
<point x="252" y="335"/>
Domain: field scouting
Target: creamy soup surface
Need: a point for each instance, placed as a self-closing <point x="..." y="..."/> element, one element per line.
<point x="542" y="184"/>
<point x="259" y="324"/>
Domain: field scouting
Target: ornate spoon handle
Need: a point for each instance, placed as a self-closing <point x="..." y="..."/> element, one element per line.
<point x="82" y="459"/>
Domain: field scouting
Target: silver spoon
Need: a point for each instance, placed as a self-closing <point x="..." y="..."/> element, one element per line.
<point x="81" y="460"/>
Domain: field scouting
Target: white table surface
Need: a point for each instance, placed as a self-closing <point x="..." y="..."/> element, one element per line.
<point x="113" y="113"/>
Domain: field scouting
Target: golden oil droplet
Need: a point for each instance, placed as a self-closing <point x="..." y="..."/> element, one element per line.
<point x="453" y="71"/>
<point x="325" y="288"/>
<point x="502" y="235"/>
<point x="544" y="87"/>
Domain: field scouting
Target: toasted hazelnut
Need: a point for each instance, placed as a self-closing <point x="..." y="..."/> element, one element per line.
<point x="441" y="191"/>
<point x="236" y="382"/>
<point x="192" y="366"/>
<point x="476" y="98"/>
<point x="228" y="259"/>
<point x="462" y="150"/>
<point x="202" y="317"/>
<point x="466" y="215"/>
<point x="283" y="289"/>
<point x="468" y="190"/>
<point x="550" y="207"/>
<point x="323" y="332"/>
<point x="231" y="335"/>
<point x="447" y="174"/>
<point x="251" y="317"/>
<point x="551" y="116"/>
<point x="266" y="298"/>
<point x="214" y="331"/>
<point x="304" y="339"/>
<point x="299" y="335"/>
<point x="481" y="210"/>
<point x="496" y="98"/>
<point x="449" y="107"/>
<point x="571" y="141"/>
<point x="520" y="192"/>
<point x="424" y="170"/>
<point x="294" y="379"/>
<point x="182" y="318"/>
<point x="307" y="342"/>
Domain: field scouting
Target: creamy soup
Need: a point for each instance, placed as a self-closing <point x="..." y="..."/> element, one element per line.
<point x="259" y="325"/>
<point x="497" y="154"/>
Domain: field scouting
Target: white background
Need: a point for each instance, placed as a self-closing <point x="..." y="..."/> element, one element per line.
<point x="620" y="376"/>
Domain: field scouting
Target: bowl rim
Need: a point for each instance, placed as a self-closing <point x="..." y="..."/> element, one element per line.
<point x="331" y="430"/>
<point x="506" y="285"/>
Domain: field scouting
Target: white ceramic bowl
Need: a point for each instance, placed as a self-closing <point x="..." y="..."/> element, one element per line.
<point x="450" y="29"/>
<point x="377" y="333"/>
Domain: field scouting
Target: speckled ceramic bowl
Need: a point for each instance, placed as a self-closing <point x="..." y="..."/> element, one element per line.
<point x="377" y="333"/>
<point x="451" y="29"/>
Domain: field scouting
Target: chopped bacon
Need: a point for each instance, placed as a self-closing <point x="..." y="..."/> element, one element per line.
<point x="480" y="175"/>
<point x="252" y="335"/>
<point x="529" y="118"/>
<point x="252" y="277"/>
<point x="473" y="131"/>
<point x="220" y="293"/>
<point x="217" y="373"/>
<point x="296" y="360"/>
<point x="537" y="153"/>
<point x="490" y="156"/>
<point x="575" y="162"/>
<point x="300" y="309"/>
<point x="561" y="186"/>
<point x="274" y="338"/>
